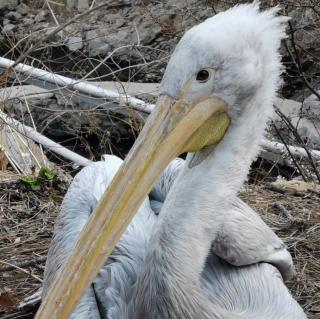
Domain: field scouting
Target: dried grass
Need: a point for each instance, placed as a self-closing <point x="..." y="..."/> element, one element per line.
<point x="26" y="223"/>
<point x="296" y="219"/>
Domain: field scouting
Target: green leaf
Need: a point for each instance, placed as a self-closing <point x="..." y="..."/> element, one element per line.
<point x="33" y="182"/>
<point x="28" y="179"/>
<point x="46" y="174"/>
<point x="35" y="186"/>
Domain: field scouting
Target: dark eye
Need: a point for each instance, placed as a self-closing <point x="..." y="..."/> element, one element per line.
<point x="202" y="76"/>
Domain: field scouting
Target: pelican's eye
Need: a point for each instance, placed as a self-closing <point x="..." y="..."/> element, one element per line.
<point x="203" y="76"/>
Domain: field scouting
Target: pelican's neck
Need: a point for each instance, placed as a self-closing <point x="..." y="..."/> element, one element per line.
<point x="194" y="206"/>
<point x="201" y="194"/>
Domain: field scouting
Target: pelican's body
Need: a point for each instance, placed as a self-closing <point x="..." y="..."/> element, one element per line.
<point x="215" y="99"/>
<point x="255" y="291"/>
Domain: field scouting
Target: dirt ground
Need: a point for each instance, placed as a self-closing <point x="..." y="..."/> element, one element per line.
<point x="27" y="219"/>
<point x="26" y="223"/>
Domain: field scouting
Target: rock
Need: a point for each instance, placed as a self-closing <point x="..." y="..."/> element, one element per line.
<point x="96" y="47"/>
<point x="83" y="5"/>
<point x="14" y="16"/>
<point x="23" y="9"/>
<point x="40" y="26"/>
<point x="92" y="35"/>
<point x="103" y="50"/>
<point x="305" y="117"/>
<point x="8" y="29"/>
<point x="119" y="38"/>
<point x="8" y="4"/>
<point x="27" y="21"/>
<point x="114" y="38"/>
<point x="313" y="98"/>
<point x="79" y="5"/>
<point x="6" y="21"/>
<point x="311" y="111"/>
<point x="115" y="20"/>
<point x="41" y="16"/>
<point x="101" y="41"/>
<point x="119" y="23"/>
<point x="95" y="41"/>
<point x="305" y="18"/>
<point x="148" y="31"/>
<point x="70" y="4"/>
<point x="75" y="43"/>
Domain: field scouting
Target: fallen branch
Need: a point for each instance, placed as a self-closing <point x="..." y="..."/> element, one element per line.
<point x="31" y="301"/>
<point x="84" y="87"/>
<point x="39" y="138"/>
<point x="24" y="264"/>
<point x="21" y="269"/>
<point x="277" y="147"/>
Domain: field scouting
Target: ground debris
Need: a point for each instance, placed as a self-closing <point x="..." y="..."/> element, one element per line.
<point x="26" y="223"/>
<point x="295" y="219"/>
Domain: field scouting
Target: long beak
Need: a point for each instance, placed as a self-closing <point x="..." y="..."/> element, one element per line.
<point x="173" y="127"/>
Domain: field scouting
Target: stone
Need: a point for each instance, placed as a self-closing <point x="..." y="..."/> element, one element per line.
<point x="313" y="98"/>
<point x="119" y="22"/>
<point x="8" y="29"/>
<point x="8" y="4"/>
<point x="311" y="111"/>
<point x="148" y="31"/>
<point x="96" y="43"/>
<point x="74" y="44"/>
<point x="306" y="118"/>
<point x="92" y="34"/>
<point x="41" y="16"/>
<point x="96" y="47"/>
<point x="40" y="26"/>
<point x="103" y="50"/>
<point x="14" y="16"/>
<point x="27" y="21"/>
<point x="5" y="21"/>
<point x="23" y="9"/>
<point x="114" y="38"/>
<point x="102" y="41"/>
<point x="115" y="20"/>
<point x="79" y="5"/>
<point x="83" y="5"/>
<point x="71" y="4"/>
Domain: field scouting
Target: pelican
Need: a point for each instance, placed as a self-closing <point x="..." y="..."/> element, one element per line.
<point x="202" y="253"/>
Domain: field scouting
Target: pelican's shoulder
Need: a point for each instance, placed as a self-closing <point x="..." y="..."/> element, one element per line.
<point x="91" y="182"/>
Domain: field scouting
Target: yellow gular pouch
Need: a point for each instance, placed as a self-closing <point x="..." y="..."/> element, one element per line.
<point x="210" y="133"/>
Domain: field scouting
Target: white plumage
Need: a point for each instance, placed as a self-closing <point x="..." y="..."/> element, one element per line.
<point x="244" y="239"/>
<point x="167" y="265"/>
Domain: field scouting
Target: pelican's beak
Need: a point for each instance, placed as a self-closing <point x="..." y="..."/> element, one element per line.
<point x="175" y="126"/>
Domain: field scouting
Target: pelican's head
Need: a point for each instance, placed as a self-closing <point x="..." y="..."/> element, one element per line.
<point x="232" y="56"/>
<point x="218" y="68"/>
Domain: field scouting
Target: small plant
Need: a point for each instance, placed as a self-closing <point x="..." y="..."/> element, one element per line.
<point x="45" y="175"/>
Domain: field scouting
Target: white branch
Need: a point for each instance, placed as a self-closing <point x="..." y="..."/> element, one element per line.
<point x="294" y="150"/>
<point x="37" y="137"/>
<point x="83" y="87"/>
